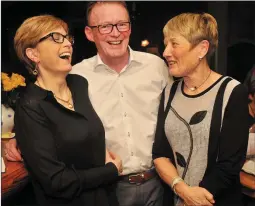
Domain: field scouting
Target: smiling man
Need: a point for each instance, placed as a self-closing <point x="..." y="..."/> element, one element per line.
<point x="109" y="28"/>
<point x="125" y="88"/>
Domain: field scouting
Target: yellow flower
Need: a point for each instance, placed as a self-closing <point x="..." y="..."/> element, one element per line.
<point x="13" y="82"/>
<point x="18" y="80"/>
<point x="4" y="76"/>
<point x="7" y="84"/>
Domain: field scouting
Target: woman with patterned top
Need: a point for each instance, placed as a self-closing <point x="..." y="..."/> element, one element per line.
<point x="202" y="131"/>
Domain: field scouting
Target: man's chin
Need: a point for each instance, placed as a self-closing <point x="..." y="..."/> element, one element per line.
<point x="121" y="51"/>
<point x="117" y="53"/>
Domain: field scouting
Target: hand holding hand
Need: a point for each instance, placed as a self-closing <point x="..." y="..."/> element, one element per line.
<point x="194" y="195"/>
<point x="115" y="159"/>
<point x="107" y="157"/>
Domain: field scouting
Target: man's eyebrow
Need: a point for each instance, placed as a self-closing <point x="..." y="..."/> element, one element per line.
<point x="107" y="22"/>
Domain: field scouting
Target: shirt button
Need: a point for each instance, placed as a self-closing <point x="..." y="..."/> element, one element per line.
<point x="125" y="114"/>
<point x="121" y="94"/>
<point x="128" y="134"/>
<point x="132" y="154"/>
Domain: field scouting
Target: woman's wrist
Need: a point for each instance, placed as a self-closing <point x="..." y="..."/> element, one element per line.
<point x="180" y="188"/>
<point x="175" y="181"/>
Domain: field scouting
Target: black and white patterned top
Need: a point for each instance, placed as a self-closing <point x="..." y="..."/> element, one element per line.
<point x="187" y="128"/>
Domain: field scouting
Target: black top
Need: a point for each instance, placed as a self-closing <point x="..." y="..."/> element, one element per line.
<point x="64" y="150"/>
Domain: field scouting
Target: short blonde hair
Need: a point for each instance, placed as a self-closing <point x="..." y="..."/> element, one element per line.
<point x="194" y="27"/>
<point x="30" y="32"/>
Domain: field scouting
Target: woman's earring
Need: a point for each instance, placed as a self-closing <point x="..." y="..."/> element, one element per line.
<point x="200" y="58"/>
<point x="35" y="71"/>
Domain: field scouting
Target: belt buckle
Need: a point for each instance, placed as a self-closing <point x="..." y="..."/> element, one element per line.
<point x="136" y="175"/>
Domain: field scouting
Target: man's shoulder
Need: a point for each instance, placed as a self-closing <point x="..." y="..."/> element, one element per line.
<point x="83" y="67"/>
<point x="144" y="56"/>
<point x="89" y="61"/>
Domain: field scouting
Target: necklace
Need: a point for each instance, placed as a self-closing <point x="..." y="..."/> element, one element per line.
<point x="68" y="102"/>
<point x="196" y="87"/>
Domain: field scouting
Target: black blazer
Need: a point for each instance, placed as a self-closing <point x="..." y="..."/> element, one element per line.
<point x="64" y="150"/>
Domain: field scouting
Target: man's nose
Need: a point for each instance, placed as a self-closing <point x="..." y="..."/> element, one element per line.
<point x="115" y="31"/>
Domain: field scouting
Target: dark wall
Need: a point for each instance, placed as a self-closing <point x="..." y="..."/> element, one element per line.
<point x="148" y="20"/>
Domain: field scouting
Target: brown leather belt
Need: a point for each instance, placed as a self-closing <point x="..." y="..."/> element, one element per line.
<point x="139" y="178"/>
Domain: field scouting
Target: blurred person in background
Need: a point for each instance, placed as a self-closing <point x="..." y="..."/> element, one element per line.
<point x="247" y="175"/>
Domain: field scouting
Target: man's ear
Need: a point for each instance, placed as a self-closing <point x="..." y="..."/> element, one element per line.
<point x="32" y="54"/>
<point x="88" y="32"/>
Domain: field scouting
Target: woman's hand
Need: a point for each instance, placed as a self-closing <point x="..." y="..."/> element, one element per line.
<point x="107" y="156"/>
<point x="11" y="151"/>
<point x="115" y="159"/>
<point x="194" y="195"/>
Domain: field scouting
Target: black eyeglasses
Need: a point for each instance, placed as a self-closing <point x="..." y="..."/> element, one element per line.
<point x="58" y="38"/>
<point x="107" y="28"/>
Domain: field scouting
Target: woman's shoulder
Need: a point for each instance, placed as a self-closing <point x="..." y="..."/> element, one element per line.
<point x="76" y="79"/>
<point x="174" y="83"/>
<point x="234" y="86"/>
<point x="32" y="96"/>
<point x="168" y="89"/>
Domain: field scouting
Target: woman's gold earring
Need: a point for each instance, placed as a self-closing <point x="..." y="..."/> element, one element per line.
<point x="35" y="72"/>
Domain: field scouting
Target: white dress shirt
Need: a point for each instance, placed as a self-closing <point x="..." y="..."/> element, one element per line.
<point x="127" y="103"/>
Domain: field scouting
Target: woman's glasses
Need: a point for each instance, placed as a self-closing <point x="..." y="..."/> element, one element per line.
<point x="58" y="38"/>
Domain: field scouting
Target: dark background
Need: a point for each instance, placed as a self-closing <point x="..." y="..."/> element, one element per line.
<point x="235" y="56"/>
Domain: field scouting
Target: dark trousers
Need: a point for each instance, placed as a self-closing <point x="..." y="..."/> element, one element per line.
<point x="149" y="193"/>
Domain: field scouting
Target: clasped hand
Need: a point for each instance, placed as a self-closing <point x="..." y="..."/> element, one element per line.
<point x="195" y="196"/>
<point x="115" y="159"/>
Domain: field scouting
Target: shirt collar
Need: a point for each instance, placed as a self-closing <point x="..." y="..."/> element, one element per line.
<point x="132" y="58"/>
<point x="39" y="93"/>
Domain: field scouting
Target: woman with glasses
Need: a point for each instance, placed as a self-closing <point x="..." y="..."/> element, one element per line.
<point x="61" y="138"/>
<point x="202" y="132"/>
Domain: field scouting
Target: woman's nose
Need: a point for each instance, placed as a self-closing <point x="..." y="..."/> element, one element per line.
<point x="167" y="52"/>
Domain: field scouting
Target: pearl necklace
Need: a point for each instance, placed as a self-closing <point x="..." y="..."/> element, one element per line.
<point x="68" y="102"/>
<point x="196" y="87"/>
